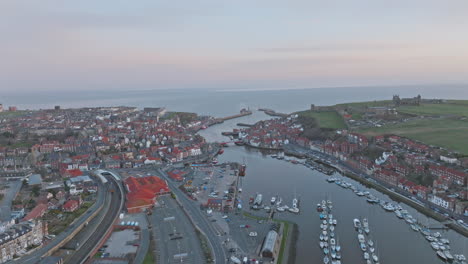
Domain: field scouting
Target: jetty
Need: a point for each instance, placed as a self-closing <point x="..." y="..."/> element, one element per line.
<point x="271" y="112"/>
<point x="243" y="112"/>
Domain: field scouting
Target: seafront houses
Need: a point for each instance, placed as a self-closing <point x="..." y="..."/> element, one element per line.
<point x="443" y="201"/>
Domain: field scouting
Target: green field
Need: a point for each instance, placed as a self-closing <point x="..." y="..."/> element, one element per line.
<point x="367" y="104"/>
<point x="329" y="119"/>
<point x="8" y="114"/>
<point x="458" y="109"/>
<point x="448" y="133"/>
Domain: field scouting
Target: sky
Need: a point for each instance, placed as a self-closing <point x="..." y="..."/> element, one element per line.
<point x="160" y="44"/>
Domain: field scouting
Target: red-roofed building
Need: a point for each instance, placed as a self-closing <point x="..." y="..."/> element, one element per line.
<point x="71" y="206"/>
<point x="37" y="212"/>
<point x="142" y="192"/>
<point x="72" y="173"/>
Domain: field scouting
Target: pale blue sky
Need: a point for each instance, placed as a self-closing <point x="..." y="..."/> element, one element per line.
<point x="110" y="44"/>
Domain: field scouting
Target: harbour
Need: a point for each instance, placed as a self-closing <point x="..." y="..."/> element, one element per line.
<point x="311" y="186"/>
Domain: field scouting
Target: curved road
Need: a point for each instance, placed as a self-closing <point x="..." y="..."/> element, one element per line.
<point x="83" y="252"/>
<point x="200" y="220"/>
<point x="35" y="256"/>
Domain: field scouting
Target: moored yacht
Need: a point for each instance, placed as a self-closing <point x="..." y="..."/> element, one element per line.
<point x="357" y="223"/>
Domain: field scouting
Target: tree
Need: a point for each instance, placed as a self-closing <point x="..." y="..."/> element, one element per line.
<point x="36" y="190"/>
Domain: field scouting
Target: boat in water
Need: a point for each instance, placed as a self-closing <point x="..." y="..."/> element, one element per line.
<point x="441" y="255"/>
<point x="361" y="238"/>
<point x="366" y="255"/>
<point x="357" y="223"/>
<point x="448" y="255"/>
<point x="273" y="200"/>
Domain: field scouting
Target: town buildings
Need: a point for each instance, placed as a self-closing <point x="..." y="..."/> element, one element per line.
<point x="16" y="240"/>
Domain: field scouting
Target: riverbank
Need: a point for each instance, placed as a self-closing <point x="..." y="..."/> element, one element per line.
<point x="287" y="253"/>
<point x="372" y="183"/>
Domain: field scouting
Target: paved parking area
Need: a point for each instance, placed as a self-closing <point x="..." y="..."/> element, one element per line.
<point x="175" y="237"/>
<point x="122" y="243"/>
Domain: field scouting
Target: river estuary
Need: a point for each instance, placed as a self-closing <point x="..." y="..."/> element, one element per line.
<point x="395" y="241"/>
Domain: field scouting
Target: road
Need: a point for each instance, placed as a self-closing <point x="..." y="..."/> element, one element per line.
<point x="112" y="213"/>
<point x="165" y="229"/>
<point x="10" y="194"/>
<point x="36" y="255"/>
<point x="219" y="253"/>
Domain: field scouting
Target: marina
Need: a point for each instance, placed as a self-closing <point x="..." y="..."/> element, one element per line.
<point x="346" y="205"/>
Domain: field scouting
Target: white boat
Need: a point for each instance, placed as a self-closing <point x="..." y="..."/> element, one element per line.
<point x="370" y="242"/>
<point x="332" y="228"/>
<point x="294" y="210"/>
<point x="363" y="246"/>
<point x="445" y="241"/>
<point x="278" y="203"/>
<point x="321" y="244"/>
<point x="361" y="238"/>
<point x="281" y="209"/>
<point x="375" y="258"/>
<point x="332" y="242"/>
<point x="398" y="214"/>
<point x="326" y="260"/>
<point x="273" y="200"/>
<point x="441" y="255"/>
<point x="357" y="223"/>
<point x="448" y="255"/>
<point x="371" y="249"/>
<point x="335" y="222"/>
<point x="435" y="246"/>
<point x="366" y="255"/>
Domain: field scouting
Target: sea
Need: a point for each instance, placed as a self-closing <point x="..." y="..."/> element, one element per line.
<point x="396" y="242"/>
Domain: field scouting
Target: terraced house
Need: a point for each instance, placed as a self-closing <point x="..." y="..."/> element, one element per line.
<point x="18" y="238"/>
